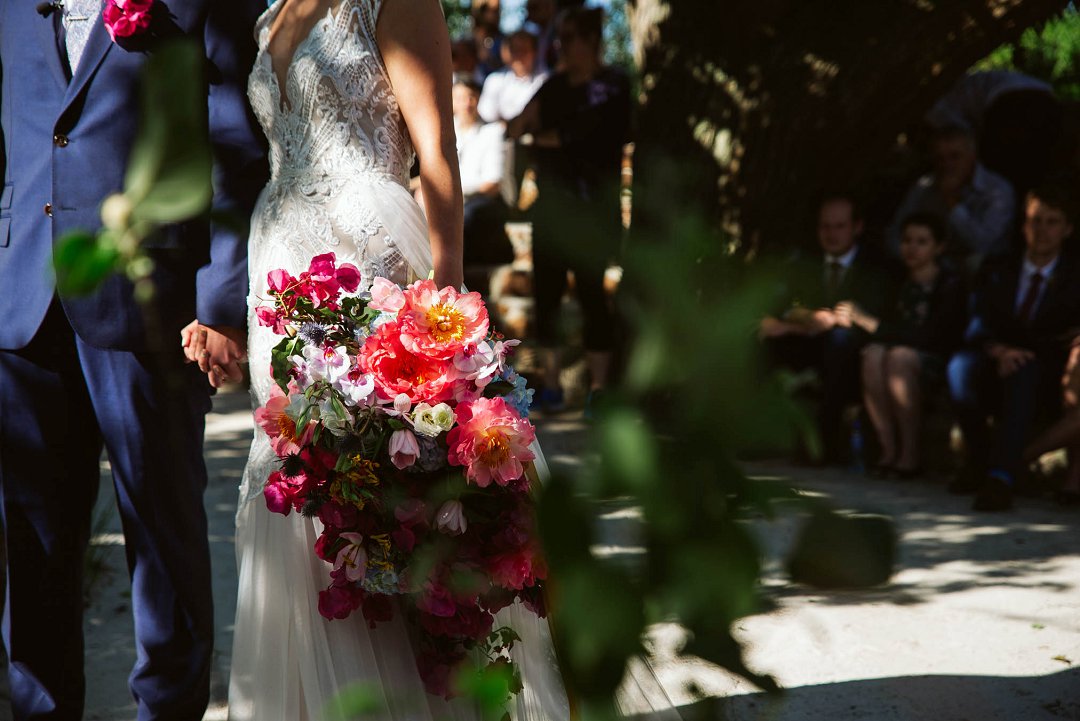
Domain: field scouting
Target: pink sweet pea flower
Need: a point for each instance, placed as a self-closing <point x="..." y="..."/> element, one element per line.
<point x="386" y="296"/>
<point x="348" y="277"/>
<point x="271" y="318"/>
<point x="491" y="440"/>
<point x="279" y="280"/>
<point x="353" y="557"/>
<point x="438" y="323"/>
<point x="404" y="450"/>
<point x="125" y="18"/>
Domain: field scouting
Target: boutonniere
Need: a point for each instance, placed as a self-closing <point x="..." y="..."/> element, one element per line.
<point x="125" y="19"/>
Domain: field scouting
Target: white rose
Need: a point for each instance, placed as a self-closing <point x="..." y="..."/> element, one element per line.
<point x="424" y="420"/>
<point x="443" y="416"/>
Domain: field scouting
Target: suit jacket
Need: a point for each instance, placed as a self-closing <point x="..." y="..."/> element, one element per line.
<point x="867" y="282"/>
<point x="1057" y="317"/>
<point x="66" y="142"/>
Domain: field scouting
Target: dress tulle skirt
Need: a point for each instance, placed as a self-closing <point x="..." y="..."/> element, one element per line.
<point x="291" y="664"/>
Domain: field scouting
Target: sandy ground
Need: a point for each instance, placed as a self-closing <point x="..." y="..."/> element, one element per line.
<point x="980" y="623"/>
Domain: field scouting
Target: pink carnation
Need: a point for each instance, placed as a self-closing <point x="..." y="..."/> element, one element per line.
<point x="125" y="18"/>
<point x="491" y="440"/>
<point x="439" y="323"/>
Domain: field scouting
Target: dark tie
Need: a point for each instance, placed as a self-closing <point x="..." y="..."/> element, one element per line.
<point x="1027" y="308"/>
<point x="833" y="278"/>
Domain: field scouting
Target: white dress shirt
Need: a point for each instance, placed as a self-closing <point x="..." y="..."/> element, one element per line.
<point x="481" y="155"/>
<point x="1029" y="269"/>
<point x="505" y="94"/>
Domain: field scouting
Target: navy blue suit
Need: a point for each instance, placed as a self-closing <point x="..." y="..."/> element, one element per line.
<point x="1016" y="401"/>
<point x="77" y="374"/>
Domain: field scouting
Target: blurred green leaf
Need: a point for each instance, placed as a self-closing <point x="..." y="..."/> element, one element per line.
<point x="82" y="260"/>
<point x="169" y="171"/>
<point x="358" y="701"/>
<point x="844" y="550"/>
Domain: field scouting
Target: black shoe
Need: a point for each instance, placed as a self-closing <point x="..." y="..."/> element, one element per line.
<point x="1067" y="498"/>
<point x="881" y="471"/>
<point x="908" y="474"/>
<point x="965" y="482"/>
<point x="995" y="495"/>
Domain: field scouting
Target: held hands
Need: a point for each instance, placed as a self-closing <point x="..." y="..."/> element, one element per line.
<point x="218" y="350"/>
<point x="848" y="314"/>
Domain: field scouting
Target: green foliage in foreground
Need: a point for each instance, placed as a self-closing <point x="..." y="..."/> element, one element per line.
<point x="1050" y="53"/>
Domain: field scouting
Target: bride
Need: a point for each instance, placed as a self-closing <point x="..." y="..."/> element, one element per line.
<point x="347" y="91"/>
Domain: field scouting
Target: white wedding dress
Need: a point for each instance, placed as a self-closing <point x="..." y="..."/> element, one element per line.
<point x="340" y="156"/>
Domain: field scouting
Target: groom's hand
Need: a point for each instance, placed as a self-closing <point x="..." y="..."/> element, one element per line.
<point x="218" y="350"/>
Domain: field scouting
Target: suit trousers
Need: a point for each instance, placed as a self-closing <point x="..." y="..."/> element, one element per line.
<point x="61" y="402"/>
<point x="1015" y="403"/>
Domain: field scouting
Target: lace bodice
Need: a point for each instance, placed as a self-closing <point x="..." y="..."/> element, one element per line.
<point x="336" y="114"/>
<point x="340" y="155"/>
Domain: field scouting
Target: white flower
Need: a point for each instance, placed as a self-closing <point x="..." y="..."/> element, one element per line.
<point x="451" y="518"/>
<point x="359" y="392"/>
<point x="431" y="421"/>
<point x="328" y="364"/>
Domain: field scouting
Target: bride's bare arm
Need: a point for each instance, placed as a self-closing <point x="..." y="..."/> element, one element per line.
<point x="415" y="47"/>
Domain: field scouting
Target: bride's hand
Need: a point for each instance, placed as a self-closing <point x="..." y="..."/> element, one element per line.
<point x="218" y="350"/>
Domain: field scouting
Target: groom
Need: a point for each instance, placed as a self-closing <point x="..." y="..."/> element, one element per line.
<point x="77" y="374"/>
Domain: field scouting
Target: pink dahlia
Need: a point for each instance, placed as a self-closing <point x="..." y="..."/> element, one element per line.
<point x="439" y="323"/>
<point x="491" y="440"/>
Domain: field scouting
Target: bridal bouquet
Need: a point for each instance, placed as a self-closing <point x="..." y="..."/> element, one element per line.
<point x="400" y="425"/>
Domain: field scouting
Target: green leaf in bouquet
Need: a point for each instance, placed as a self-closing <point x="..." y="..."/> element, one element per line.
<point x="489" y="685"/>
<point x="82" y="260"/>
<point x="498" y="388"/>
<point x="169" y="171"/>
<point x="279" y="360"/>
<point x="338" y="407"/>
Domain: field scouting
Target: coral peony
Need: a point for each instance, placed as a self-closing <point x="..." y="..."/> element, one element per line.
<point x="439" y="323"/>
<point x="397" y="371"/>
<point x="491" y="440"/>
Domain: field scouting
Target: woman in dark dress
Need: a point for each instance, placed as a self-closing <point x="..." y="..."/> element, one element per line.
<point x="577" y="124"/>
<point x="910" y="344"/>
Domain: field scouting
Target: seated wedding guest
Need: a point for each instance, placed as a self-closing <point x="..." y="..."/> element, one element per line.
<point x="466" y="60"/>
<point x="507" y="92"/>
<point x="1015" y="118"/>
<point x="1025" y="311"/>
<point x="910" y="344"/>
<point x="1065" y="433"/>
<point x="481" y="157"/>
<point x="978" y="204"/>
<point x="808" y="335"/>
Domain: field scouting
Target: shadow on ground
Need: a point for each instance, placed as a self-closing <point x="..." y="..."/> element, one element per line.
<point x="906" y="698"/>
